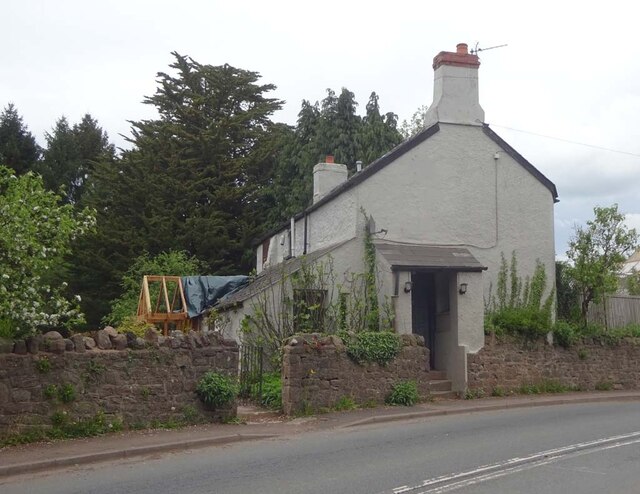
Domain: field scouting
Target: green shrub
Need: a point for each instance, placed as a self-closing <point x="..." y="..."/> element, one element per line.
<point x="528" y="322"/>
<point x="272" y="391"/>
<point x="372" y="346"/>
<point x="565" y="334"/>
<point x="403" y="393"/>
<point x="132" y="324"/>
<point x="216" y="390"/>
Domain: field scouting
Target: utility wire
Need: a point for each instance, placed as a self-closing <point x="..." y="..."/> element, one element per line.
<point x="568" y="140"/>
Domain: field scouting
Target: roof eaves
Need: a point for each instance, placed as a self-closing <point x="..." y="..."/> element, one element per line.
<point x="360" y="177"/>
<point x="522" y="161"/>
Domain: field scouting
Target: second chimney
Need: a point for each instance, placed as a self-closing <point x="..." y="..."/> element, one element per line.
<point x="326" y="177"/>
<point x="455" y="88"/>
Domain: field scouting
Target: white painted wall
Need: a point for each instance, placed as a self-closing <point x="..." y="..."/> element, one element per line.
<point x="328" y="225"/>
<point x="450" y="191"/>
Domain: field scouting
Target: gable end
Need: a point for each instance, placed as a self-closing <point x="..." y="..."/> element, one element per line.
<point x="522" y="161"/>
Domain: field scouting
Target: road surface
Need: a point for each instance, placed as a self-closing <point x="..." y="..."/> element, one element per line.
<point x="586" y="448"/>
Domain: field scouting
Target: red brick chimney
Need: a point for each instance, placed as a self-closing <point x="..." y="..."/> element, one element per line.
<point x="461" y="58"/>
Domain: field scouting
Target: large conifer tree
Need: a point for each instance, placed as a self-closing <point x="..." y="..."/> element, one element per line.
<point x="18" y="148"/>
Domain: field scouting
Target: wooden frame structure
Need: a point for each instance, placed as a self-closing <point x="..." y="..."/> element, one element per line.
<point x="167" y="309"/>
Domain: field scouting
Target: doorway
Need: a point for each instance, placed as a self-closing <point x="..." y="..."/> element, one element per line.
<point x="423" y="310"/>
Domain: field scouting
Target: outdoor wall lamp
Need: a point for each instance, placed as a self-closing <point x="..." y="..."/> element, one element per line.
<point x="407" y="286"/>
<point x="463" y="288"/>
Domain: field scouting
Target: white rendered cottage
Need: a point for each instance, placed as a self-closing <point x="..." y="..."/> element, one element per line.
<point x="446" y="204"/>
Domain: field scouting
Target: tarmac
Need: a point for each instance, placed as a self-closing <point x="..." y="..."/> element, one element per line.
<point x="39" y="457"/>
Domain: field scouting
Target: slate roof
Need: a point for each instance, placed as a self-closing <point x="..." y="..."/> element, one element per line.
<point x="272" y="275"/>
<point x="397" y="152"/>
<point x="404" y="257"/>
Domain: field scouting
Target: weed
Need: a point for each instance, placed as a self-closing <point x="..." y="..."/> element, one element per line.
<point x="66" y="393"/>
<point x="345" y="403"/>
<point x="604" y="386"/>
<point x="65" y="427"/>
<point x="190" y="415"/>
<point x="43" y="365"/>
<point x="234" y="420"/>
<point x="94" y="371"/>
<point x="51" y="391"/>
<point x="472" y="394"/>
<point x="145" y="392"/>
<point x="58" y="419"/>
<point x="403" y="393"/>
<point x="499" y="391"/>
<point x="583" y="354"/>
<point x="369" y="404"/>
<point x="306" y="409"/>
<point x="272" y="391"/>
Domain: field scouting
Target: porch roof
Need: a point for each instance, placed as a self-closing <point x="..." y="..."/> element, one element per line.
<point x="405" y="257"/>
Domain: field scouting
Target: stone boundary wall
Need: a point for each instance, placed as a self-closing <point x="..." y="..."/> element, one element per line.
<point x="508" y="365"/>
<point x="317" y="373"/>
<point x="137" y="387"/>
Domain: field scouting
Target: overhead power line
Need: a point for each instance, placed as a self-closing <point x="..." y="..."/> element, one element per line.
<point x="602" y="148"/>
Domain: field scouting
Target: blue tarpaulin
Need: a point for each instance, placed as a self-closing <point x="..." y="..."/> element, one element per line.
<point x="202" y="292"/>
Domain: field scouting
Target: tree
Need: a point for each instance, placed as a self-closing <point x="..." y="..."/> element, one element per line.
<point x="198" y="179"/>
<point x="330" y="127"/>
<point x="71" y="156"/>
<point x="597" y="252"/>
<point x="18" y="148"/>
<point x="36" y="233"/>
<point x="416" y="124"/>
<point x="378" y="133"/>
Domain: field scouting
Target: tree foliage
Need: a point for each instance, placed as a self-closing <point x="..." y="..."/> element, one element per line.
<point x="18" y="148"/>
<point x="329" y="127"/>
<point x="597" y="252"/>
<point x="415" y="124"/>
<point x="72" y="153"/>
<point x="36" y="233"/>
<point x="197" y="178"/>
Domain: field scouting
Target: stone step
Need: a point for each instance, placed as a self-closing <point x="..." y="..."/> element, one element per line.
<point x="254" y="414"/>
<point x="439" y="385"/>
<point x="436" y="375"/>
<point x="444" y="395"/>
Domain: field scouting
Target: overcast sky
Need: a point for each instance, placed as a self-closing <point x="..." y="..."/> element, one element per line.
<point x="571" y="70"/>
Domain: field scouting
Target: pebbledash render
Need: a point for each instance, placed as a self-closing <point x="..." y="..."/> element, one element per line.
<point x="445" y="206"/>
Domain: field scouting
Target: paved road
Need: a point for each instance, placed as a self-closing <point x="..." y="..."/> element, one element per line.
<point x="584" y="448"/>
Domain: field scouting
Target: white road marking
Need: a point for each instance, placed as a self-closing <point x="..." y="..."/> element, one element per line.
<point x="446" y="483"/>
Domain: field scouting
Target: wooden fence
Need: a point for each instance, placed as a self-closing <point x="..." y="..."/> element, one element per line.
<point x="616" y="312"/>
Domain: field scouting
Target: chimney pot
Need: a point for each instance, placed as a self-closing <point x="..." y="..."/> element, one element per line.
<point x="329" y="158"/>
<point x="462" y="48"/>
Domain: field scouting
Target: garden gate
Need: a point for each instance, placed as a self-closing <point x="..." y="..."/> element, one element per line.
<point x="251" y="370"/>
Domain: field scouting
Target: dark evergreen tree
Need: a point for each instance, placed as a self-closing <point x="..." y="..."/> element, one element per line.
<point x="71" y="155"/>
<point x="18" y="147"/>
<point x="332" y="127"/>
<point x="378" y="133"/>
<point x="198" y="179"/>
